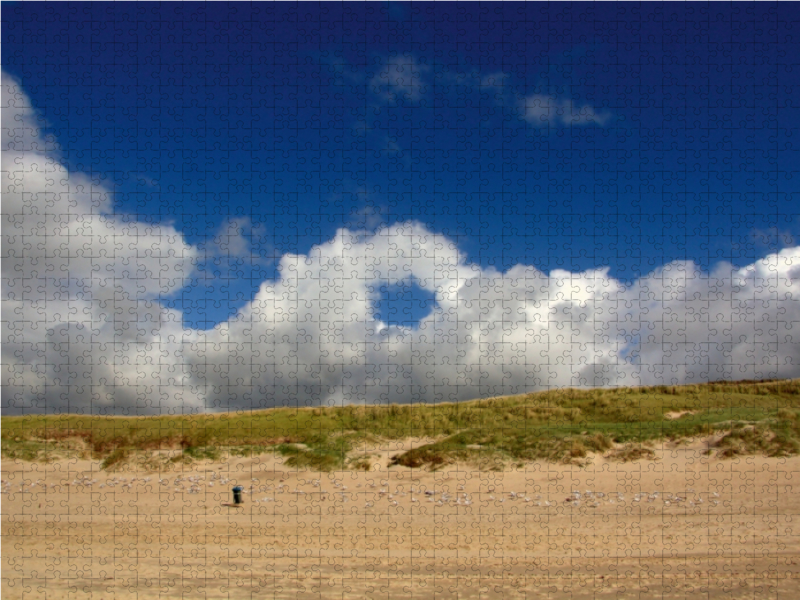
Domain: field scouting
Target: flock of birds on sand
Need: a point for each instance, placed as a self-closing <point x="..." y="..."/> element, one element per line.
<point x="374" y="495"/>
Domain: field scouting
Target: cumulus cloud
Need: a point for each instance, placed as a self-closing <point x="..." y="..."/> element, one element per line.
<point x="83" y="329"/>
<point x="728" y="324"/>
<point x="312" y="337"/>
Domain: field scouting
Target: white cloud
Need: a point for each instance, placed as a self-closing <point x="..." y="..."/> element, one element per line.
<point x="539" y="109"/>
<point x="729" y="324"/>
<point x="399" y="77"/>
<point x="311" y="337"/>
<point x="232" y="239"/>
<point x="83" y="329"/>
<point x="542" y="110"/>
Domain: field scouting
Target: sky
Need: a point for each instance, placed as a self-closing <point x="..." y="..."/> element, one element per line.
<point x="212" y="206"/>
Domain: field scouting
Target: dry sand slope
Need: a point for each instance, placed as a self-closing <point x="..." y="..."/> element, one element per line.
<point x="684" y="526"/>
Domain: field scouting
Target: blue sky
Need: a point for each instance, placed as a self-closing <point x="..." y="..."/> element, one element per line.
<point x="304" y="118"/>
<point x="564" y="137"/>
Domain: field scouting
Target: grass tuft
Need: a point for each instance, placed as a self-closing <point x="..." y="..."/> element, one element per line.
<point x="116" y="458"/>
<point x="630" y="452"/>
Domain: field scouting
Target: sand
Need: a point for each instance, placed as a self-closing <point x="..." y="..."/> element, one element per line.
<point x="683" y="526"/>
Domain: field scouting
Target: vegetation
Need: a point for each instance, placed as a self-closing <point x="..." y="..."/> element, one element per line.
<point x="631" y="452"/>
<point x="116" y="458"/>
<point x="562" y="425"/>
<point x="770" y="438"/>
<point x="191" y="453"/>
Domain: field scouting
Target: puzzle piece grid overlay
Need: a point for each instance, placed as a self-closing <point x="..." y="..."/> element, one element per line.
<point x="223" y="208"/>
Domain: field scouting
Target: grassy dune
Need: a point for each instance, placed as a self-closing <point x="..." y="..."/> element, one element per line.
<point x="560" y="425"/>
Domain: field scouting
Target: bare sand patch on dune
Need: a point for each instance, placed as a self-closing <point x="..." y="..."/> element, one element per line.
<point x="677" y="414"/>
<point x="686" y="525"/>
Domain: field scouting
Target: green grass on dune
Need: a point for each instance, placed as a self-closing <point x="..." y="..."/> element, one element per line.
<point x="559" y="425"/>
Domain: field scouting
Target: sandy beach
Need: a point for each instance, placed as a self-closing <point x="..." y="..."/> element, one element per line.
<point x="682" y="526"/>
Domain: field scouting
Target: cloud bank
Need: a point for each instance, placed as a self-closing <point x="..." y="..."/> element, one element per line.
<point x="83" y="329"/>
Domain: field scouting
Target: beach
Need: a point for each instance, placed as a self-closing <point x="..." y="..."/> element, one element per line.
<point x="685" y="525"/>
